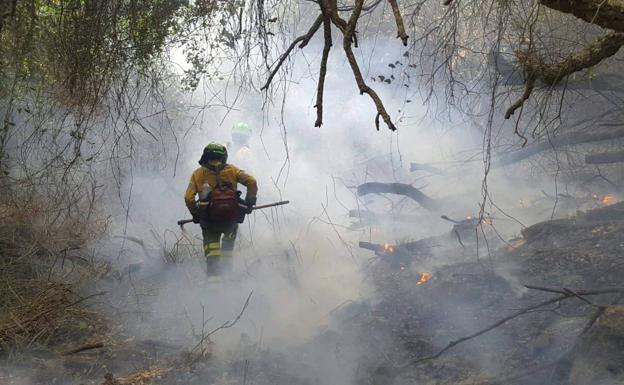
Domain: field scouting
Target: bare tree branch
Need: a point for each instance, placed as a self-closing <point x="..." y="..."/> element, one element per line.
<point x="399" y="21"/>
<point x="346" y="43"/>
<point x="528" y="89"/>
<point x="551" y="74"/>
<point x="607" y="14"/>
<point x="564" y="295"/>
<point x="323" y="72"/>
<point x="304" y="39"/>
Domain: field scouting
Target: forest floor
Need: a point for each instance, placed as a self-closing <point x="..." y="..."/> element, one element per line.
<point x="541" y="309"/>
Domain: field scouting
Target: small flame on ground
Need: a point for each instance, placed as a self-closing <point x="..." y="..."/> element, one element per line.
<point x="424" y="277"/>
<point x="604" y="199"/>
<point x="388" y="248"/>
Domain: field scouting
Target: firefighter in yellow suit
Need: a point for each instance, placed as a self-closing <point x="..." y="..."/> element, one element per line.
<point x="215" y="171"/>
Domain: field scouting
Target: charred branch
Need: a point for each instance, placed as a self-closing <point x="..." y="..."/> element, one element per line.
<point x="605" y="157"/>
<point x="536" y="69"/>
<point x="573" y="138"/>
<point x="399" y="189"/>
<point x="377" y="248"/>
<point x="607" y="14"/>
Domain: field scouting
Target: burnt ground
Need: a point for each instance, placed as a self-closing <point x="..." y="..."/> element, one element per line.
<point x="543" y="346"/>
<point x="395" y="336"/>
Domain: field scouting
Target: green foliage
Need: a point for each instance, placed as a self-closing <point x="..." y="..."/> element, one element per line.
<point x="79" y="47"/>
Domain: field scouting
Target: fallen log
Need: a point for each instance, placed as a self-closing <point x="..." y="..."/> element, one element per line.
<point x="577" y="137"/>
<point x="605" y="157"/>
<point x="399" y="189"/>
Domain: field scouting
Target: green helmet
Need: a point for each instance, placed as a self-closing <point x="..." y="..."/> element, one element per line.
<point x="241" y="128"/>
<point x="214" y="151"/>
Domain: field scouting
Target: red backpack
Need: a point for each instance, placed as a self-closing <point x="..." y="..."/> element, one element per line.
<point x="223" y="206"/>
<point x="224" y="202"/>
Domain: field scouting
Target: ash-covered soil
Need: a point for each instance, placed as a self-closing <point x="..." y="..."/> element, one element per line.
<point x="475" y="318"/>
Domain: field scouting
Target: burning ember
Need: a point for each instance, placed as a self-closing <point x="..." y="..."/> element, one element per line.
<point x="608" y="199"/>
<point x="388" y="248"/>
<point x="424" y="277"/>
<point x="605" y="199"/>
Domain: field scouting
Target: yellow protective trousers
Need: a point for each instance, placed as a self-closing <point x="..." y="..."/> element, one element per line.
<point x="218" y="245"/>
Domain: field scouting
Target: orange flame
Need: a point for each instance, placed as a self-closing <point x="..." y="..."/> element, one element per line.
<point x="388" y="248"/>
<point x="608" y="199"/>
<point x="424" y="277"/>
<point x="604" y="199"/>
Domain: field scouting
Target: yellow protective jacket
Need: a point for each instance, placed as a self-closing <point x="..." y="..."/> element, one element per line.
<point x="229" y="174"/>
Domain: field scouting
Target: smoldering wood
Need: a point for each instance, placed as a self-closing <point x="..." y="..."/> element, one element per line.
<point x="399" y="189"/>
<point x="573" y="138"/>
<point x="605" y="157"/>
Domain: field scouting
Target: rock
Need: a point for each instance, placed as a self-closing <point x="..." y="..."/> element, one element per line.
<point x="601" y="354"/>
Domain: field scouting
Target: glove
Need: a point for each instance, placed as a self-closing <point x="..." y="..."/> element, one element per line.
<point x="250" y="203"/>
<point x="195" y="219"/>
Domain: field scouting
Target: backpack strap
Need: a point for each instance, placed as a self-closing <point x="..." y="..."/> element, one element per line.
<point x="217" y="171"/>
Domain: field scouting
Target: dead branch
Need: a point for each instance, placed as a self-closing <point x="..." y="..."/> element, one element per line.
<point x="535" y="68"/>
<point x="528" y="89"/>
<point x="303" y="39"/>
<point x="377" y="248"/>
<point x="348" y="39"/>
<point x="577" y="137"/>
<point x="224" y="325"/>
<point x="327" y="35"/>
<point x="329" y="13"/>
<point x="563" y="296"/>
<point x="600" y="312"/>
<point x="399" y="21"/>
<point x="607" y="14"/>
<point x="552" y="73"/>
<point x="605" y="157"/>
<point x="83" y="348"/>
<point x="400" y="189"/>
